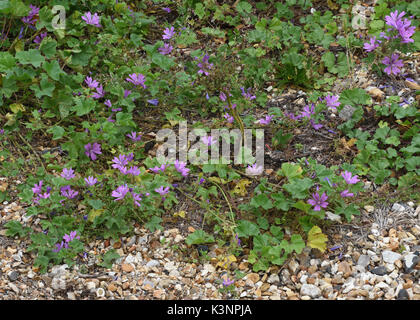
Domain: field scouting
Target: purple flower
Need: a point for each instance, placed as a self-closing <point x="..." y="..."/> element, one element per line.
<point x="153" y="101"/>
<point x="227" y="282"/>
<point x="70" y="237"/>
<point x="136" y="199"/>
<point x="393" y="64"/>
<point x="314" y="125"/>
<point x="100" y="93"/>
<point x="346" y="193"/>
<point x="133" y="136"/>
<point x="92" y="20"/>
<point x="247" y="95"/>
<point x="44" y="195"/>
<point x="127" y="93"/>
<point x="204" y="65"/>
<point x="254" y="170"/>
<point x="348" y="177"/>
<point x="91" y="82"/>
<point x="229" y="118"/>
<point x="39" y="38"/>
<point x="119" y="162"/>
<point x="202" y="180"/>
<point x="136" y="79"/>
<point x="93" y="150"/>
<point x="265" y="120"/>
<point x="181" y="168"/>
<point x="208" y="140"/>
<point x="222" y="96"/>
<point x="162" y="168"/>
<point x="166" y="9"/>
<point x="120" y="192"/>
<point x="332" y="101"/>
<point x="371" y="45"/>
<point x="135" y="171"/>
<point x="90" y="181"/>
<point x="166" y="49"/>
<point x="238" y="241"/>
<point x="168" y="33"/>
<point x="68" y="192"/>
<point x="308" y="111"/>
<point x="318" y="201"/>
<point x="162" y="191"/>
<point x="37" y="188"/>
<point x="108" y="103"/>
<point x="59" y="246"/>
<point x="68" y="173"/>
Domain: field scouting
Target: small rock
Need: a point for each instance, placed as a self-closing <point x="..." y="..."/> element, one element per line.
<point x="369" y="209"/>
<point x="112" y="287"/>
<point x="273" y="278"/>
<point x="333" y="217"/>
<point x="344" y="267"/>
<point x="346" y="113"/>
<point x="403" y="295"/>
<point x="126" y="267"/>
<point x="254" y="277"/>
<point x="293" y="265"/>
<point x="410" y="261"/>
<point x="91" y="285"/>
<point x="13" y="275"/>
<point x="310" y="290"/>
<point x="390" y="256"/>
<point x="152" y="263"/>
<point x="376" y="92"/>
<point x="71" y="296"/>
<point x="363" y="260"/>
<point x="380" y="271"/>
<point x="100" y="293"/>
<point x="397" y="207"/>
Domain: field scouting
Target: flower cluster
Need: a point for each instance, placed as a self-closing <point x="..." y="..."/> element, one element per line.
<point x="181" y="168"/>
<point x="92" y="150"/>
<point x="37" y="190"/>
<point x="399" y="28"/>
<point x="121" y="163"/>
<point x="137" y="79"/>
<point x="31" y="18"/>
<point x="204" y="65"/>
<point x="67" y="238"/>
<point x="92" y="19"/>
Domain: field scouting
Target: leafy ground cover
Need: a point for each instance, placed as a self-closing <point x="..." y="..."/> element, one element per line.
<point x="334" y="86"/>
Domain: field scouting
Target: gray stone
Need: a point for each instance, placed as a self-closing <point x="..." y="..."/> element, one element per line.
<point x="397" y="207"/>
<point x="150" y="283"/>
<point x="310" y="290"/>
<point x="410" y="261"/>
<point x="152" y="263"/>
<point x="13" y="275"/>
<point x="274" y="278"/>
<point x="403" y="295"/>
<point x="346" y="113"/>
<point x="380" y="271"/>
<point x="390" y="256"/>
<point x="363" y="260"/>
<point x="132" y="241"/>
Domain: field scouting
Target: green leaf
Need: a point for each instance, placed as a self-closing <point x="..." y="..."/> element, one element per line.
<point x="280" y="201"/>
<point x="7" y="61"/>
<point x="15" y="228"/>
<point x="57" y="132"/>
<point x="199" y="237"/>
<point x="296" y="243"/>
<point x="263" y="201"/>
<point x="83" y="106"/>
<point x="163" y="61"/>
<point x="32" y="56"/>
<point x="244" y="8"/>
<point x="109" y="258"/>
<point x="247" y="229"/>
<point x="299" y="188"/>
<point x="290" y="170"/>
<point x="96" y="203"/>
<point x="46" y="88"/>
<point x="355" y="97"/>
<point x="53" y="69"/>
<point x="48" y="48"/>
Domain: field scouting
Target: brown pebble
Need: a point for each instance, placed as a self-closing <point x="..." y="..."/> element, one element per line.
<point x="254" y="277"/>
<point x="126" y="267"/>
<point x="112" y="287"/>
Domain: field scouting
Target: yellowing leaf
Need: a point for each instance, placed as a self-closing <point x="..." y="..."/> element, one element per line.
<point x="316" y="239"/>
<point x="94" y="213"/>
<point x="226" y="262"/>
<point x="180" y="214"/>
<point x="217" y="180"/>
<point x="16" y="107"/>
<point x="240" y="187"/>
